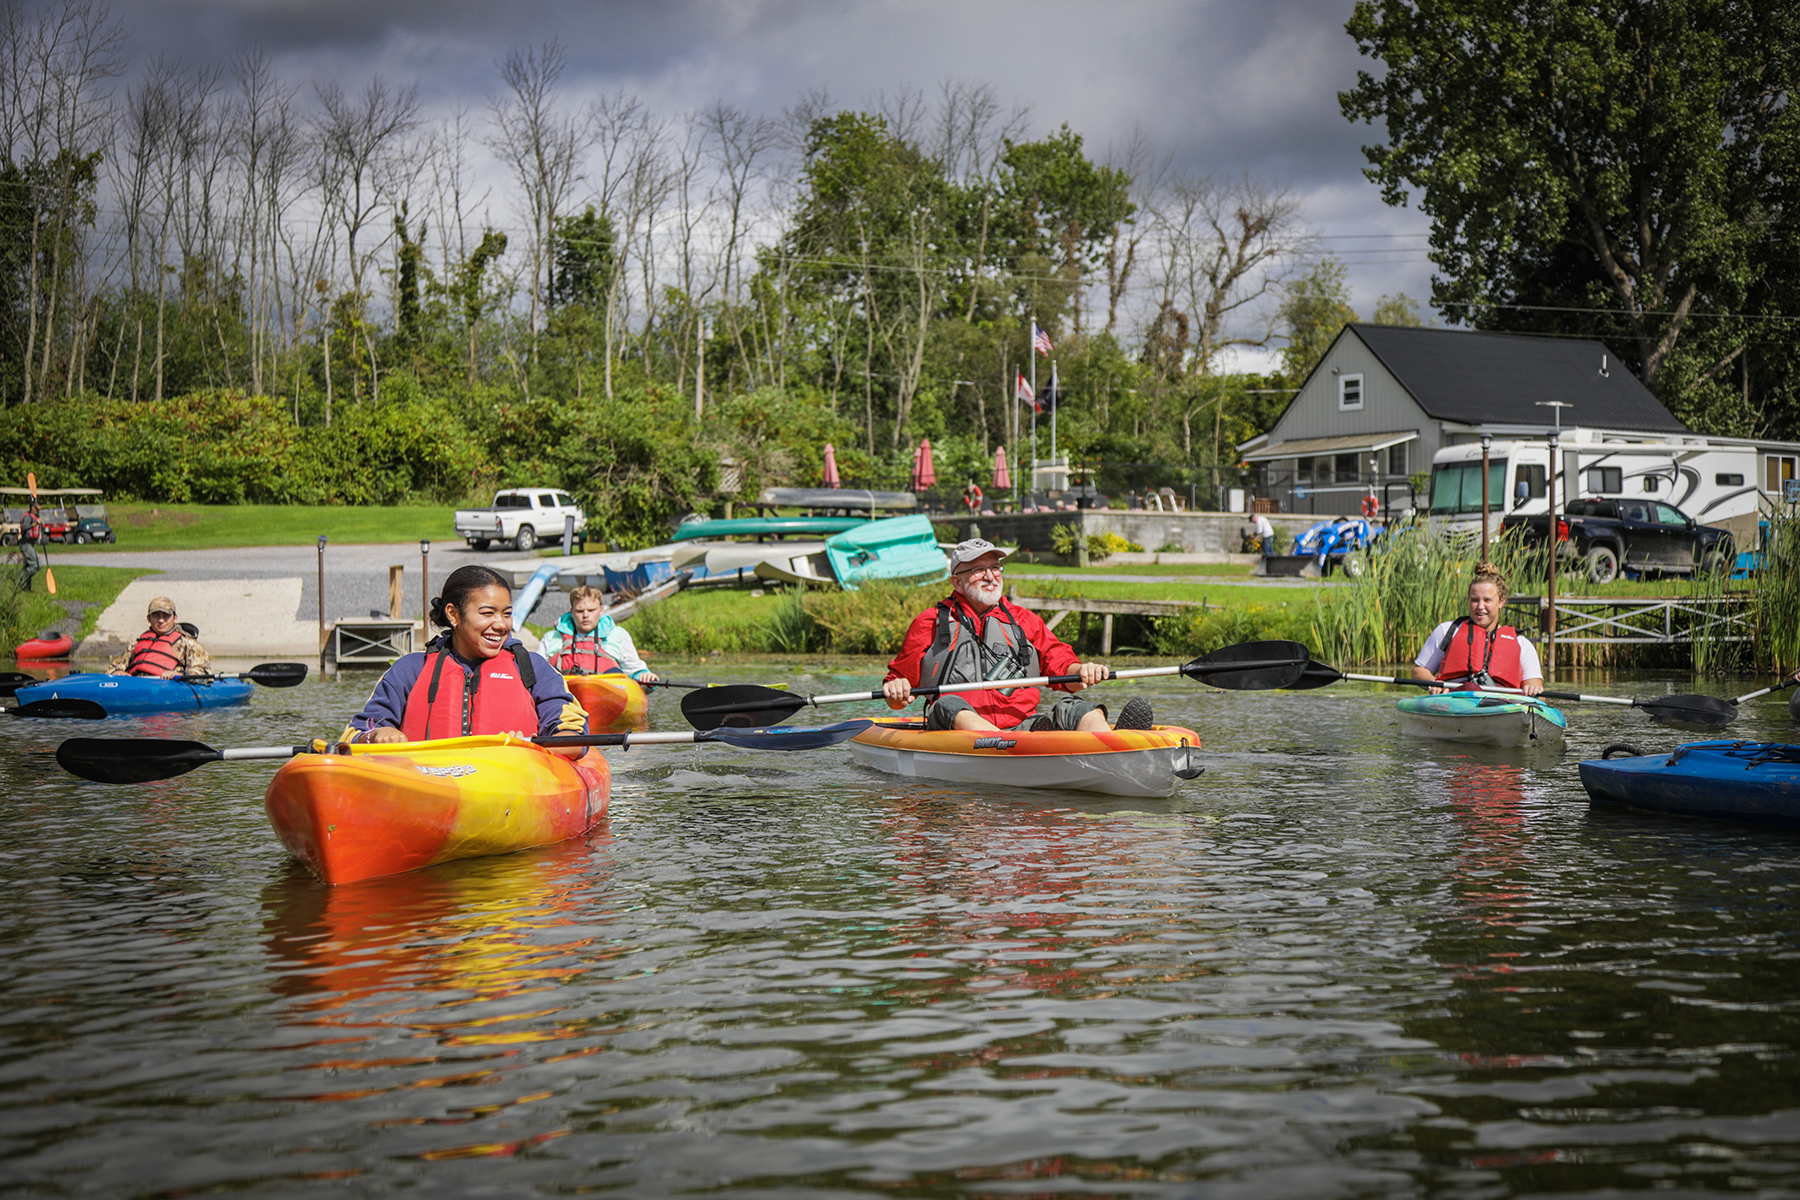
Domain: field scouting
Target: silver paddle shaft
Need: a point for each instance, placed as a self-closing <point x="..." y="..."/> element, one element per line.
<point x="1403" y="680"/>
<point x="944" y="689"/>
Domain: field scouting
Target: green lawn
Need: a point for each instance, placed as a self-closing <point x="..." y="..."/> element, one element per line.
<point x="1217" y="570"/>
<point x="205" y="526"/>
<point x="100" y="586"/>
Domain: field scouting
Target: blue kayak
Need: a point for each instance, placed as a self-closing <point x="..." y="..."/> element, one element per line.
<point x="1484" y="718"/>
<point x="124" y="695"/>
<point x="1732" y="781"/>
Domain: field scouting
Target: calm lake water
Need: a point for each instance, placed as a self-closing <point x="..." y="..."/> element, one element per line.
<point x="1339" y="964"/>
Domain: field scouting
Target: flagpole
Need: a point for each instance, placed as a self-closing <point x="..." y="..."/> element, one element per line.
<point x="1053" y="406"/>
<point x="1012" y="388"/>
<point x="1031" y="353"/>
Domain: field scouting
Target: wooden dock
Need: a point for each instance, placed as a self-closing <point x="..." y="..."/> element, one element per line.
<point x="1055" y="608"/>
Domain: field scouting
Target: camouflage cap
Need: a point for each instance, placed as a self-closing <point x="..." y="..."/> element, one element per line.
<point x="161" y="604"/>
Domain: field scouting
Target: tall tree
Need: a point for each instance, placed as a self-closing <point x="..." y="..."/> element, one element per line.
<point x="1316" y="307"/>
<point x="1618" y="156"/>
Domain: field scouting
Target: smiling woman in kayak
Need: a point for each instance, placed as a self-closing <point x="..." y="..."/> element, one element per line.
<point x="473" y="678"/>
<point x="1476" y="650"/>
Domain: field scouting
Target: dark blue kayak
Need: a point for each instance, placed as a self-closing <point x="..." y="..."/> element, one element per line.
<point x="124" y="695"/>
<point x="1731" y="781"/>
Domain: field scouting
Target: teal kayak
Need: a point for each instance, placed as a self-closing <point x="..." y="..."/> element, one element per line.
<point x="767" y="527"/>
<point x="898" y="548"/>
<point x="1483" y="718"/>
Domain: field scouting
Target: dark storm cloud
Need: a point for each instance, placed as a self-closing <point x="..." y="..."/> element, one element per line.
<point x="1222" y="86"/>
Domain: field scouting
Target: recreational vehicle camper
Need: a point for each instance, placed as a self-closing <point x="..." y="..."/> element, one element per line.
<point x="1716" y="481"/>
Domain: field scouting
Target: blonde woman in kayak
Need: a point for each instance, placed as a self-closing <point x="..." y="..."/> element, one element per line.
<point x="473" y="678"/>
<point x="1477" y="651"/>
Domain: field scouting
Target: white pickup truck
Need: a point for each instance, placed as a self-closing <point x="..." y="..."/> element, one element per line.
<point x="520" y="516"/>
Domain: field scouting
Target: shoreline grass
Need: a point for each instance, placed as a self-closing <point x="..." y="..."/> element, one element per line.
<point x="37" y="610"/>
<point x="215" y="526"/>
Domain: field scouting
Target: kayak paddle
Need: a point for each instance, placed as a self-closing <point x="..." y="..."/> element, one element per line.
<point x="12" y="681"/>
<point x="1245" y="667"/>
<point x="145" y="760"/>
<point x="43" y="542"/>
<point x="1689" y="709"/>
<point x="277" y="674"/>
<point x="67" y="708"/>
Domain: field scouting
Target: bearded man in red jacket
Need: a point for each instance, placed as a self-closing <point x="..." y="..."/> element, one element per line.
<point x="976" y="634"/>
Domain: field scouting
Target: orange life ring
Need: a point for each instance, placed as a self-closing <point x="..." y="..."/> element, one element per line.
<point x="1370" y="505"/>
<point x="972" y="498"/>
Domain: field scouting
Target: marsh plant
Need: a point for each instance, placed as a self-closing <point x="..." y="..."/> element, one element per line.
<point x="1776" y="598"/>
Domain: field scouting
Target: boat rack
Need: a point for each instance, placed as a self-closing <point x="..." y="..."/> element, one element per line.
<point x="367" y="642"/>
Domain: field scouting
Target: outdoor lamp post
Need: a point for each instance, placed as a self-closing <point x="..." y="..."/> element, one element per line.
<point x="322" y="540"/>
<point x="1486" y="440"/>
<point x="424" y="586"/>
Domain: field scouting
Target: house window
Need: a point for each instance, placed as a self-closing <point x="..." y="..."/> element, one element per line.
<point x="1397" y="459"/>
<point x="1344" y="468"/>
<point x="1778" y="469"/>
<point x="1606" y="479"/>
<point x="1350" y="392"/>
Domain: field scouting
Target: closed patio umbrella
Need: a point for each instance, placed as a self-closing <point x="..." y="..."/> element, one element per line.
<point x="831" y="471"/>
<point x="924" y="474"/>
<point x="1002" y="476"/>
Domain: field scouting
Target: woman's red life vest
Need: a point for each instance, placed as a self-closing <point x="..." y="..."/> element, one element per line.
<point x="1469" y="652"/>
<point x="153" y="653"/>
<point x="495" y="698"/>
<point x="582" y="653"/>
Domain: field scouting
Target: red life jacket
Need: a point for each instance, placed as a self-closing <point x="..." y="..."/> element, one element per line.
<point x="495" y="698"/>
<point x="1475" y="653"/>
<point x="153" y="654"/>
<point x="582" y="654"/>
<point x="966" y="647"/>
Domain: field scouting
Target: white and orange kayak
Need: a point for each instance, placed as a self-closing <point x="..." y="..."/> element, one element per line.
<point x="615" y="703"/>
<point x="1118" y="762"/>
<point x="385" y="808"/>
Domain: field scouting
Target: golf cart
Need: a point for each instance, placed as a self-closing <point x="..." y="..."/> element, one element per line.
<point x="68" y="515"/>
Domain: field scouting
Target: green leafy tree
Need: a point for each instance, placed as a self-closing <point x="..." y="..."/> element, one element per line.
<point x="1316" y="308"/>
<point x="1633" y="160"/>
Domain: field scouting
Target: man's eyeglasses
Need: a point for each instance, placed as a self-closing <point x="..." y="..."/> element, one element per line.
<point x="972" y="572"/>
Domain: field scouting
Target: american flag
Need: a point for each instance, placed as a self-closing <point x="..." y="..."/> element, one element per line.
<point x="1022" y="391"/>
<point x="1040" y="341"/>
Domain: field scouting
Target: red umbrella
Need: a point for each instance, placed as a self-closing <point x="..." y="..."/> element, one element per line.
<point x="831" y="471"/>
<point x="1002" y="477"/>
<point x="924" y="474"/>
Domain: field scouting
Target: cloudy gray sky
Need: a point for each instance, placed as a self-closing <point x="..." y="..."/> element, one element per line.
<point x="1222" y="86"/>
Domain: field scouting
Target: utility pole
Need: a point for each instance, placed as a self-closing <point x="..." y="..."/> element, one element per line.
<point x="1486" y="439"/>
<point x="1555" y="540"/>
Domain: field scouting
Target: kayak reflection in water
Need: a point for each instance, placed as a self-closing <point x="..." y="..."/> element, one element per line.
<point x="976" y="633"/>
<point x="473" y="678"/>
<point x="1477" y="651"/>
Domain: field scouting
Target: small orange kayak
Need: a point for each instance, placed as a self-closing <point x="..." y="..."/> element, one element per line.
<point x="615" y="703"/>
<point x="1118" y="762"/>
<point x="387" y="808"/>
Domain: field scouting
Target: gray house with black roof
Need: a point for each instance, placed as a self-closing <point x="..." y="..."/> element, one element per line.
<point x="1385" y="398"/>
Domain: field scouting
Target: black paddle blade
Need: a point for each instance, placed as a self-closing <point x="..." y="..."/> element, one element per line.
<point x="12" y="681"/>
<point x="132" y="760"/>
<point x="1691" y="710"/>
<point x="1316" y="675"/>
<point x="69" y="709"/>
<point x="785" y="738"/>
<point x="277" y="674"/>
<point x="739" y="704"/>
<point x="1251" y="666"/>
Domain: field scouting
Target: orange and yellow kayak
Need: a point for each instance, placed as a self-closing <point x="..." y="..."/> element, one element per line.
<point x="1118" y="762"/>
<point x="614" y="703"/>
<point x="382" y="809"/>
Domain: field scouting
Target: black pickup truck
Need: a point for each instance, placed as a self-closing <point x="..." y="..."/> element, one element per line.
<point x="1638" y="535"/>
